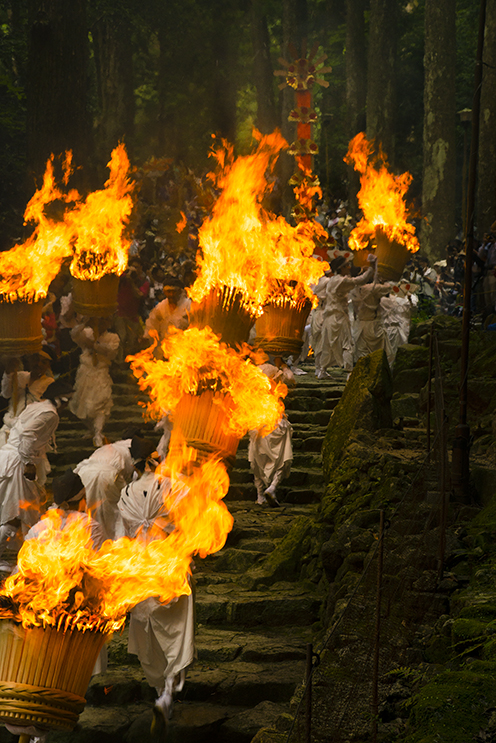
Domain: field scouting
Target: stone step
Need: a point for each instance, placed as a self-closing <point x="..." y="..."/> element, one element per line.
<point x="300" y="459"/>
<point x="282" y="644"/>
<point x="236" y="608"/>
<point x="304" y="435"/>
<point x="191" y="722"/>
<point x="298" y="476"/>
<point x="286" y="493"/>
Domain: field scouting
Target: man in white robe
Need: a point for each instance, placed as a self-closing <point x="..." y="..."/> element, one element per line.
<point x="23" y="387"/>
<point x="171" y="311"/>
<point x="23" y="462"/>
<point x="92" y="399"/>
<point x="271" y="456"/>
<point x="369" y="331"/>
<point x="396" y="312"/>
<point x="104" y="474"/>
<point x="69" y="499"/>
<point x="161" y="635"/>
<point x="317" y="320"/>
<point x="337" y="341"/>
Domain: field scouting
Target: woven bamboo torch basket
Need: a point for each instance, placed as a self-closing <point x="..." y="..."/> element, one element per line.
<point x="95" y="298"/>
<point x="44" y="674"/>
<point x="280" y="329"/>
<point x="360" y="257"/>
<point x="391" y="256"/>
<point x="226" y="313"/>
<point x="202" y="422"/>
<point x="20" y="327"/>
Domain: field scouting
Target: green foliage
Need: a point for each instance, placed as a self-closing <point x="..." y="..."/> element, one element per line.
<point x="13" y="52"/>
<point x="192" y="67"/>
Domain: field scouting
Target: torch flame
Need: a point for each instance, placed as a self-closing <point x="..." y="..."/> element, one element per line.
<point x="99" y="223"/>
<point x="27" y="270"/>
<point x="245" y="247"/>
<point x="381" y="197"/>
<point x="194" y="361"/>
<point x="63" y="582"/>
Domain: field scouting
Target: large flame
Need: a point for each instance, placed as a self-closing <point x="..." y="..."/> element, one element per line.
<point x="99" y="222"/>
<point x="63" y="582"/>
<point x="27" y="270"/>
<point x="194" y="361"/>
<point x="381" y="197"/>
<point x="245" y="247"/>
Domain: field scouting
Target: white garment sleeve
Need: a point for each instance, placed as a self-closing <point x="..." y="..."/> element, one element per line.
<point x="7" y="379"/>
<point x="36" y="434"/>
<point x="107" y="345"/>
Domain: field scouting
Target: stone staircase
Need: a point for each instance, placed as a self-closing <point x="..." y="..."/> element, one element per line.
<point x="251" y="635"/>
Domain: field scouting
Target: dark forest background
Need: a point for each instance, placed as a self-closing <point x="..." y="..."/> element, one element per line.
<point x="163" y="75"/>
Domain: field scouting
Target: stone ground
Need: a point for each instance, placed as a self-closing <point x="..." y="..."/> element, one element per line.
<point x="252" y="629"/>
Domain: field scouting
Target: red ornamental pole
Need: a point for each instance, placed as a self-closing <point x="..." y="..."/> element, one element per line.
<point x="301" y="75"/>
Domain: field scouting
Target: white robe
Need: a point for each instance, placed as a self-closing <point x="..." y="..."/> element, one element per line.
<point x="103" y="475"/>
<point x="92" y="396"/>
<point x="161" y="635"/>
<point x="369" y="331"/>
<point x="317" y="319"/>
<point x="337" y="341"/>
<point x="30" y="438"/>
<point x="26" y="393"/>
<point x="161" y="317"/>
<point x="271" y="456"/>
<point x="396" y="315"/>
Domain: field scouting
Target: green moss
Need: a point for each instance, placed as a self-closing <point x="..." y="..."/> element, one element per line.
<point x="268" y="735"/>
<point x="467" y="632"/>
<point x="285" y="562"/>
<point x="452" y="708"/>
<point x="410" y="356"/>
<point x="366" y="403"/>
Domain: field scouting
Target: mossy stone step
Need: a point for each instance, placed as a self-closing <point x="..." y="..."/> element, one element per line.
<point x="287" y="494"/>
<point x="299" y="476"/>
<point x="257" y="608"/>
<point x="242" y="683"/>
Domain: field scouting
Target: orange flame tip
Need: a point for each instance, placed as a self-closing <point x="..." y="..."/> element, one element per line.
<point x="99" y="223"/>
<point x="242" y="245"/>
<point x="27" y="270"/>
<point x="381" y="197"/>
<point x="194" y="360"/>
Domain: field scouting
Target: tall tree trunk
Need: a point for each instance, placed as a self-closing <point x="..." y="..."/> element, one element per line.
<point x="114" y="70"/>
<point x="263" y="74"/>
<point x="294" y="31"/>
<point x="381" y="80"/>
<point x="57" y="111"/>
<point x="223" y="90"/>
<point x="438" y="188"/>
<point x="356" y="88"/>
<point x="486" y="197"/>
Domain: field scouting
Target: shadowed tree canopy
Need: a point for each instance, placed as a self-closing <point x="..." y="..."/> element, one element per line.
<point x="164" y="76"/>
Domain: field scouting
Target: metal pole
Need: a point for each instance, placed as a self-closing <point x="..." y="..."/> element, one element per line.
<point x="460" y="464"/>
<point x="464" y="177"/>
<point x="308" y="705"/>
<point x="429" y="389"/>
<point x="377" y="637"/>
<point x="442" y="487"/>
